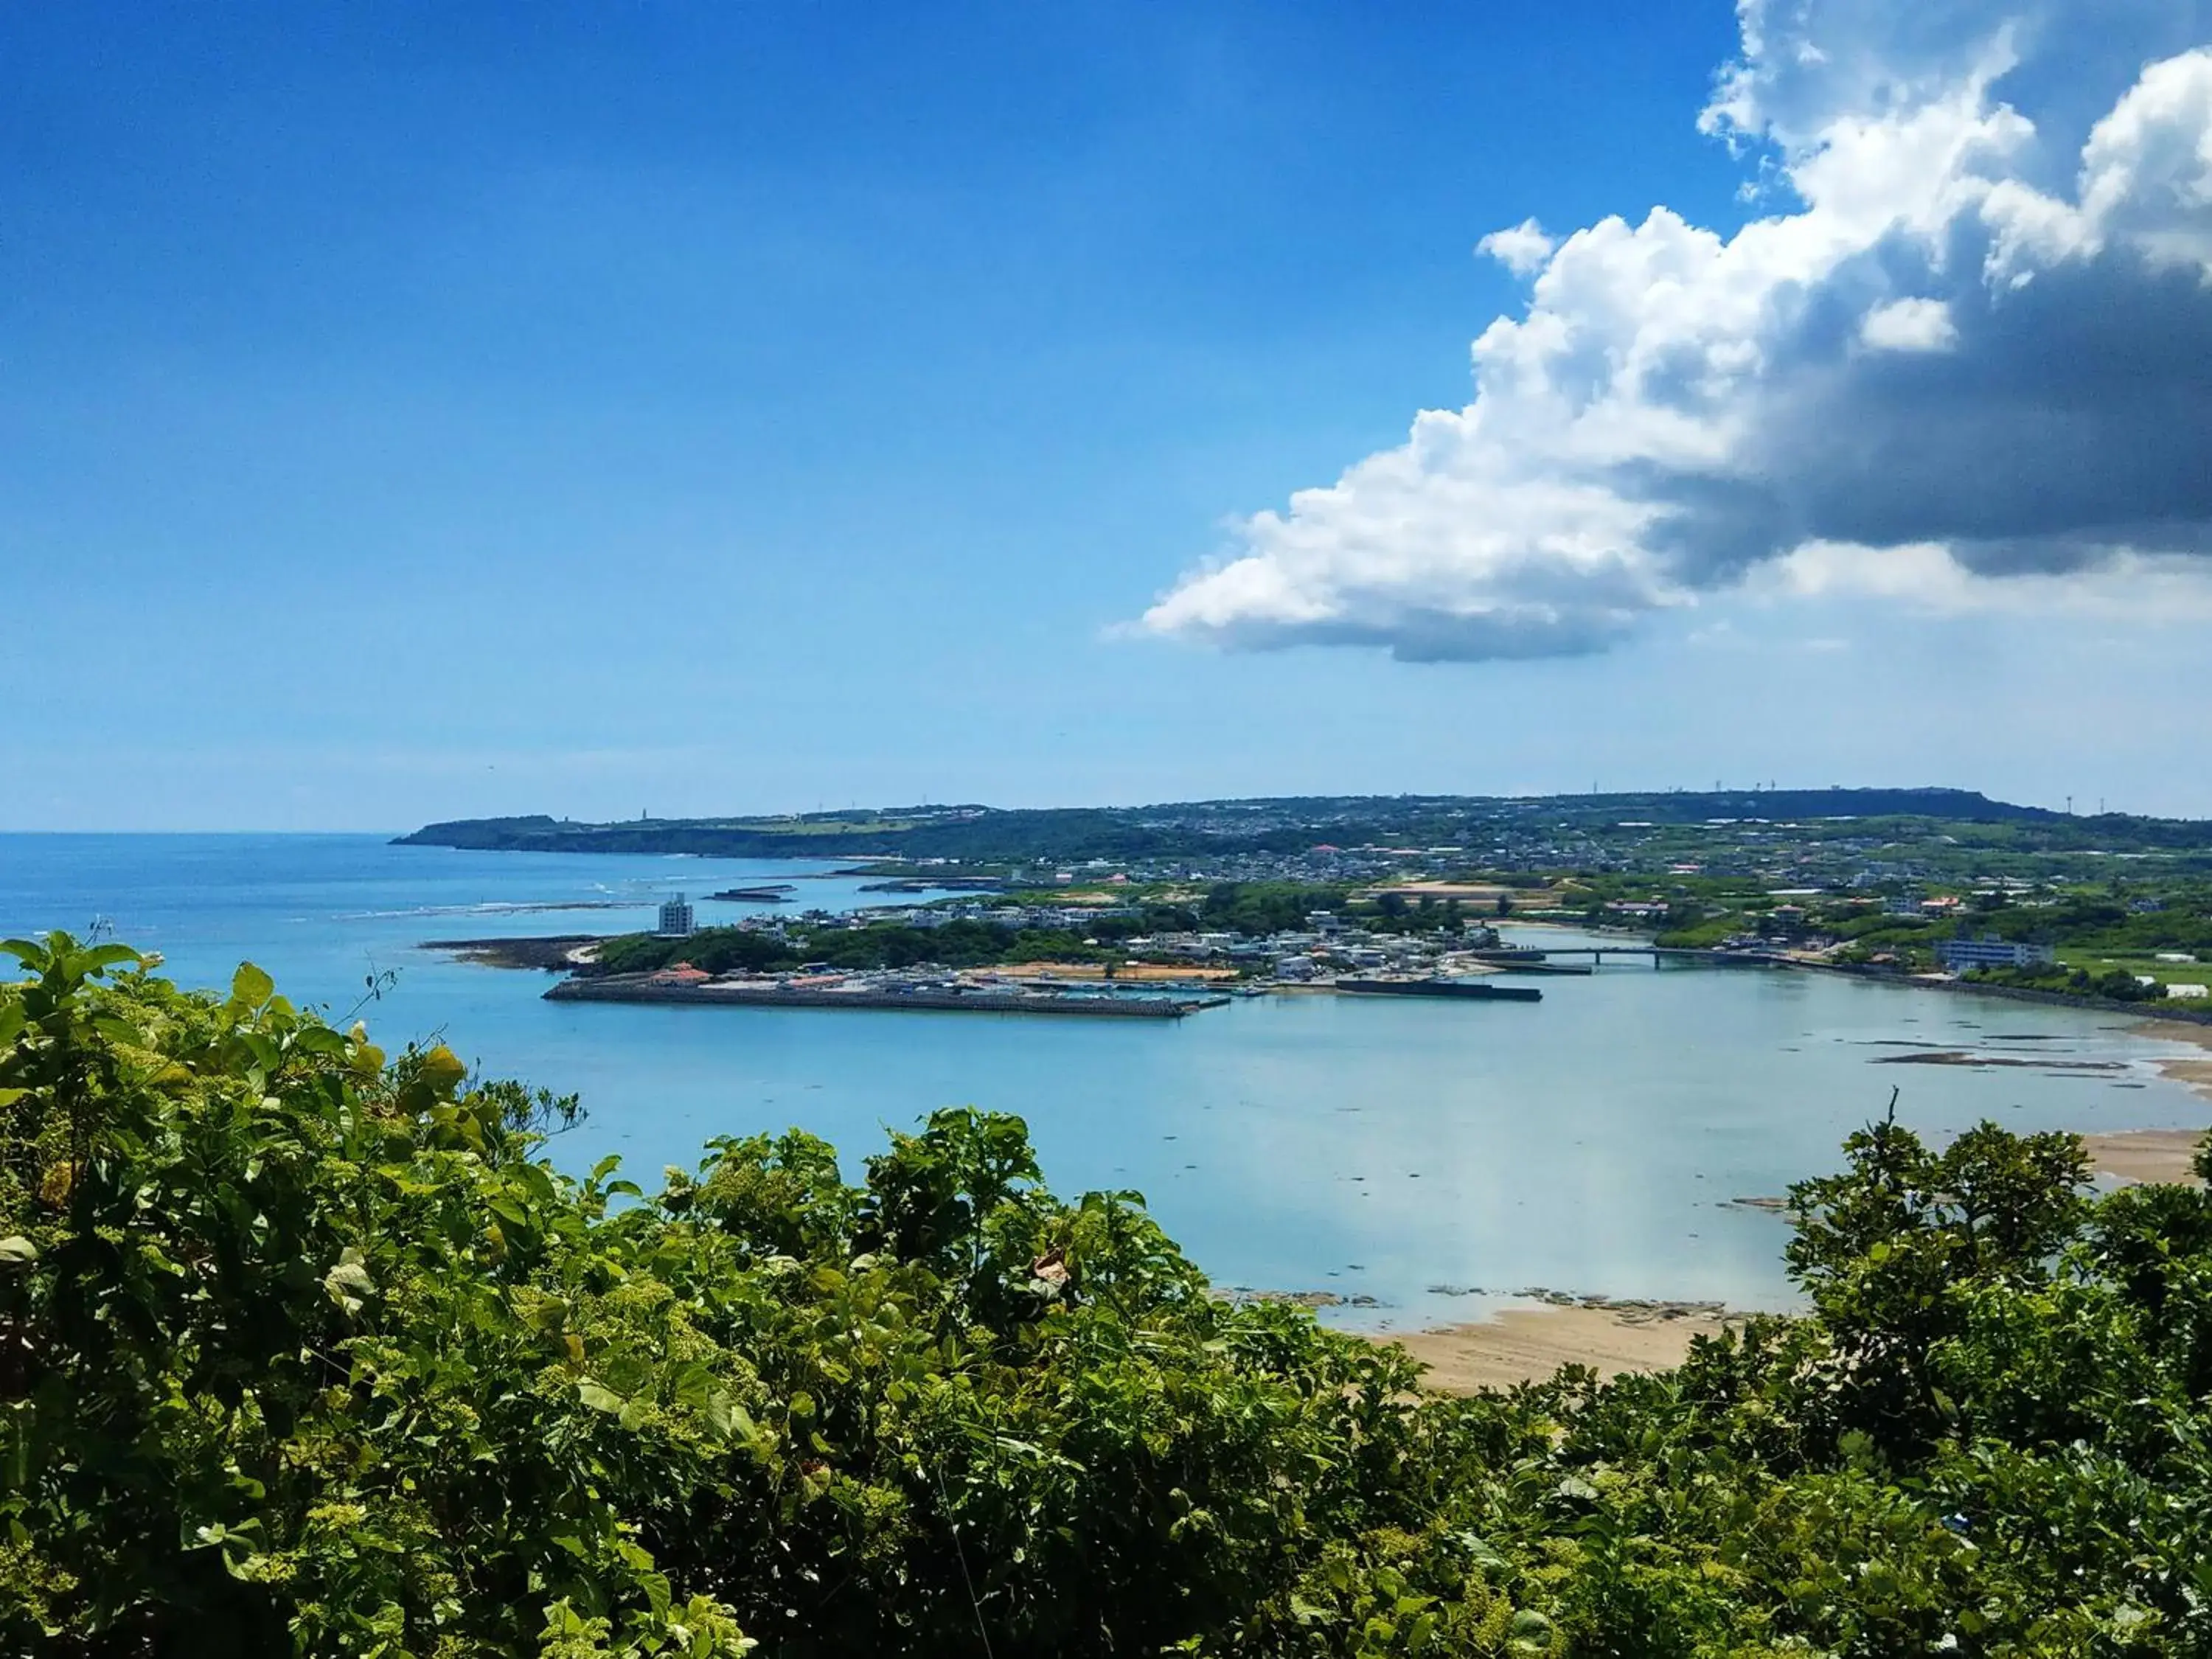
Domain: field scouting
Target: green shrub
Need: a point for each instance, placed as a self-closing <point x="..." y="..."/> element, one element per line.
<point x="305" y="1347"/>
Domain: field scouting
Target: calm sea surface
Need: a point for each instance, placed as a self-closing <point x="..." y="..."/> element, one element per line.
<point x="1404" y="1150"/>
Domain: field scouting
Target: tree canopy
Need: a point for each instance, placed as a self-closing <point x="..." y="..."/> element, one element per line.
<point x="308" y="1347"/>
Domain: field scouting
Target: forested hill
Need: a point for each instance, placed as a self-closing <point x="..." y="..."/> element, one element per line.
<point x="1288" y="824"/>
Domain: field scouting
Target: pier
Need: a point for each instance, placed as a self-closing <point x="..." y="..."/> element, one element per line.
<point x="939" y="999"/>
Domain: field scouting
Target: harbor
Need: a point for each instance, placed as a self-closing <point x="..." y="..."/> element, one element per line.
<point x="896" y="992"/>
<point x="1295" y="1137"/>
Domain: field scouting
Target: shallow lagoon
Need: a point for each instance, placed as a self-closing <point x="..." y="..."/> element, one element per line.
<point x="1397" y="1149"/>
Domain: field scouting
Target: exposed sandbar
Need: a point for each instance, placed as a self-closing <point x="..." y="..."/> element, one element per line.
<point x="2197" y="1073"/>
<point x="2147" y="1156"/>
<point x="1962" y="1057"/>
<point x="1526" y="1345"/>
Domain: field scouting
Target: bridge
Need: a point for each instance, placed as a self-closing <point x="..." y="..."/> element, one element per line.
<point x="1657" y="954"/>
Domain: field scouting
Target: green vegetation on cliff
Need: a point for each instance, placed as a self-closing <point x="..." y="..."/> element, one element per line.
<point x="305" y="1347"/>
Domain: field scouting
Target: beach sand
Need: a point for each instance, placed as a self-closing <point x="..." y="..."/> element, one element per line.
<point x="2197" y="1073"/>
<point x="2163" y="1156"/>
<point x="1526" y="1345"/>
<point x="2159" y="1155"/>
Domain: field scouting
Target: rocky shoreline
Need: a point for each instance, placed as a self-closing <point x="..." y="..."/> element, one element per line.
<point x="557" y="953"/>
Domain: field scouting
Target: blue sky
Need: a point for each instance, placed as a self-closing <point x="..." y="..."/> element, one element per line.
<point x="423" y="411"/>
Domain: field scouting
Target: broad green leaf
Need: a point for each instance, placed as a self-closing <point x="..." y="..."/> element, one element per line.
<point x="508" y="1211"/>
<point x="1529" y="1633"/>
<point x="348" y="1286"/>
<point x="599" y="1397"/>
<point x="442" y="1069"/>
<point x="716" y="1409"/>
<point x="250" y="988"/>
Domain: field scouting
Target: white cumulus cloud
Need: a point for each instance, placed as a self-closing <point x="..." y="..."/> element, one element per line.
<point x="1971" y="336"/>
<point x="1909" y="325"/>
<point x="1522" y="249"/>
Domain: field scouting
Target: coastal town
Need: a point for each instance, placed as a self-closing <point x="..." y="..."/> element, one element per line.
<point x="1962" y="903"/>
<point x="1931" y="885"/>
<point x="1163" y="974"/>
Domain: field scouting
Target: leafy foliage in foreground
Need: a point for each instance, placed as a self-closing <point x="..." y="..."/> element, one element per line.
<point x="303" y="1347"/>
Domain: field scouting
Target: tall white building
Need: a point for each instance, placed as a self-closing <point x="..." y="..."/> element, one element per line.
<point x="676" y="918"/>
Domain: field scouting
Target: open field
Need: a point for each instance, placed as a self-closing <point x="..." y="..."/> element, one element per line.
<point x="2165" y="973"/>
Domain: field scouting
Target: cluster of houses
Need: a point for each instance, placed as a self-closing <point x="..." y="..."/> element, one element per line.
<point x="1327" y="944"/>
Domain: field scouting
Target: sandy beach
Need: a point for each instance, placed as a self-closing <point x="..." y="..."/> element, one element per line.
<point x="2159" y="1155"/>
<point x="2197" y="1073"/>
<point x="1525" y="1345"/>
<point x="2147" y="1156"/>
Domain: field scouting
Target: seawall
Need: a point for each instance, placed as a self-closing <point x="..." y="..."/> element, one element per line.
<point x="619" y="989"/>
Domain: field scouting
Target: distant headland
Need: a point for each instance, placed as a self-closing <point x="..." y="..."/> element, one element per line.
<point x="969" y="833"/>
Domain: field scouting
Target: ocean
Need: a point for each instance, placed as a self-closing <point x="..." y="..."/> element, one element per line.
<point x="1421" y="1160"/>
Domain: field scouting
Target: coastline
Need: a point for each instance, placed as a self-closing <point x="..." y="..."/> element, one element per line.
<point x="896" y="995"/>
<point x="2137" y="1158"/>
<point x="1528" y="1345"/>
<point x="2184" y="1031"/>
<point x="2196" y="1074"/>
<point x="554" y="953"/>
<point x="2177" y="1020"/>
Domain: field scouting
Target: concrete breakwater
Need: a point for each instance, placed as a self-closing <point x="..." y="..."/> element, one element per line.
<point x="646" y="988"/>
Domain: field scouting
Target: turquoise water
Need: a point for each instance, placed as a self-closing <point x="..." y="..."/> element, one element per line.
<point x="1372" y="1146"/>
